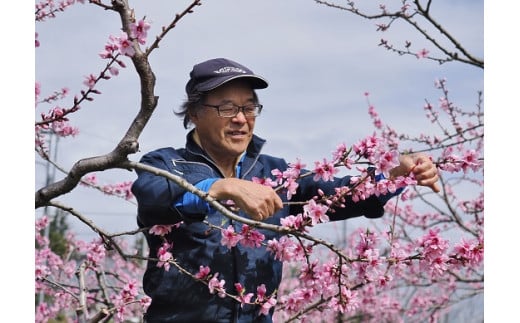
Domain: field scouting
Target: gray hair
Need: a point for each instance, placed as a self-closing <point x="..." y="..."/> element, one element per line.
<point x="193" y="103"/>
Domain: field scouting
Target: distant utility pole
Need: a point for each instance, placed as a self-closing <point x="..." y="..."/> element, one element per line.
<point x="50" y="177"/>
<point x="50" y="170"/>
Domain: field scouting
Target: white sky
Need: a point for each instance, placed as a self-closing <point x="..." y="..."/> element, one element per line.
<point x="319" y="62"/>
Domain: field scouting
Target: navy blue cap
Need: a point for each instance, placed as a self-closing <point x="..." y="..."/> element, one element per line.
<point x="213" y="73"/>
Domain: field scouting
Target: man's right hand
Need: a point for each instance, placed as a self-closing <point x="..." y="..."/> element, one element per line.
<point x="258" y="201"/>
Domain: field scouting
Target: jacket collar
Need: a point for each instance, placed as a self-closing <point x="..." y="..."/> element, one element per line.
<point x="252" y="152"/>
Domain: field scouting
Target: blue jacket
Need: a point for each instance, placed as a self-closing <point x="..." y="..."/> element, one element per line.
<point x="176" y="297"/>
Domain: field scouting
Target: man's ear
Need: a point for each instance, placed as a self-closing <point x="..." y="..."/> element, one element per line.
<point x="192" y="115"/>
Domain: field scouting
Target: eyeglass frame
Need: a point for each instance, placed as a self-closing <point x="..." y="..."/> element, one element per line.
<point x="238" y="109"/>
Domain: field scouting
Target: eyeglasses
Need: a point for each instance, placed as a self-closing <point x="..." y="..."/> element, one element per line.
<point x="230" y="110"/>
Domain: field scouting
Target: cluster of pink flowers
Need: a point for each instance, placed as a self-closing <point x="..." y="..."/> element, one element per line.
<point x="216" y="286"/>
<point x="267" y="302"/>
<point x="433" y="250"/>
<point x="128" y="294"/>
<point x="247" y="236"/>
<point x="285" y="249"/>
<point x="317" y="283"/>
<point x="375" y="150"/>
<point x="469" y="252"/>
<point x="122" y="189"/>
<point x="288" y="178"/>
<point x="468" y="159"/>
<point x="48" y="8"/>
<point x="105" y="275"/>
<point x="122" y="44"/>
<point x="56" y="119"/>
<point x="324" y="170"/>
<point x="95" y="252"/>
<point x="164" y="256"/>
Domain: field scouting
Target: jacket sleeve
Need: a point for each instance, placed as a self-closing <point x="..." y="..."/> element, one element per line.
<point x="156" y="195"/>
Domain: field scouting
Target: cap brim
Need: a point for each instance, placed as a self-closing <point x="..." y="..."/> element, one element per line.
<point x="257" y="82"/>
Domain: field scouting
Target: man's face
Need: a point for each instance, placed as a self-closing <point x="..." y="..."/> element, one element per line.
<point x="225" y="138"/>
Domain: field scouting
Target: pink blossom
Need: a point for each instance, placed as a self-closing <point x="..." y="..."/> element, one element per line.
<point x="139" y="31"/>
<point x="160" y="230"/>
<point x="372" y="256"/>
<point x="293" y="222"/>
<point x="366" y="147"/>
<point x="43" y="313"/>
<point x="95" y="252"/>
<point x="278" y="175"/>
<point x="339" y="153"/>
<point x="471" y="161"/>
<point x="63" y="129"/>
<point x="216" y="286"/>
<point x="251" y="237"/>
<point x="291" y="185"/>
<point x="260" y="292"/>
<point x="383" y="280"/>
<point x="346" y="303"/>
<point x="295" y="169"/>
<point x="308" y="274"/>
<point x="41" y="223"/>
<point x="113" y="70"/>
<point x="388" y="160"/>
<point x="469" y="252"/>
<point x="37" y="91"/>
<point x="90" y="81"/>
<point x="423" y="53"/>
<point x="124" y="44"/>
<point x="264" y="181"/>
<point x="111" y="48"/>
<point x="130" y="291"/>
<point x="324" y="170"/>
<point x="119" y="189"/>
<point x="164" y="256"/>
<point x="145" y="302"/>
<point x="240" y="289"/>
<point x="229" y="237"/>
<point x="316" y="212"/>
<point x="203" y="272"/>
<point x="244" y="298"/>
<point x="375" y="117"/>
<point x="41" y="271"/>
<point x="267" y="305"/>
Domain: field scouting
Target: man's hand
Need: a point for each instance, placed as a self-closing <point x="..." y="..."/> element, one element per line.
<point x="258" y="201"/>
<point x="421" y="166"/>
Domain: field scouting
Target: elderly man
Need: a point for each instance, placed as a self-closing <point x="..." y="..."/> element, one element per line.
<point x="221" y="157"/>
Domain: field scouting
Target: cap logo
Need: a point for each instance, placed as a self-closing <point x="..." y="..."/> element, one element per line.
<point x="230" y="69"/>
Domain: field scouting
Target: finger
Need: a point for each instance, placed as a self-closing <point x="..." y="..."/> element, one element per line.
<point x="426" y="175"/>
<point x="431" y="182"/>
<point x="436" y="187"/>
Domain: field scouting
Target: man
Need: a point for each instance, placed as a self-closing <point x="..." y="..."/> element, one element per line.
<point x="222" y="156"/>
